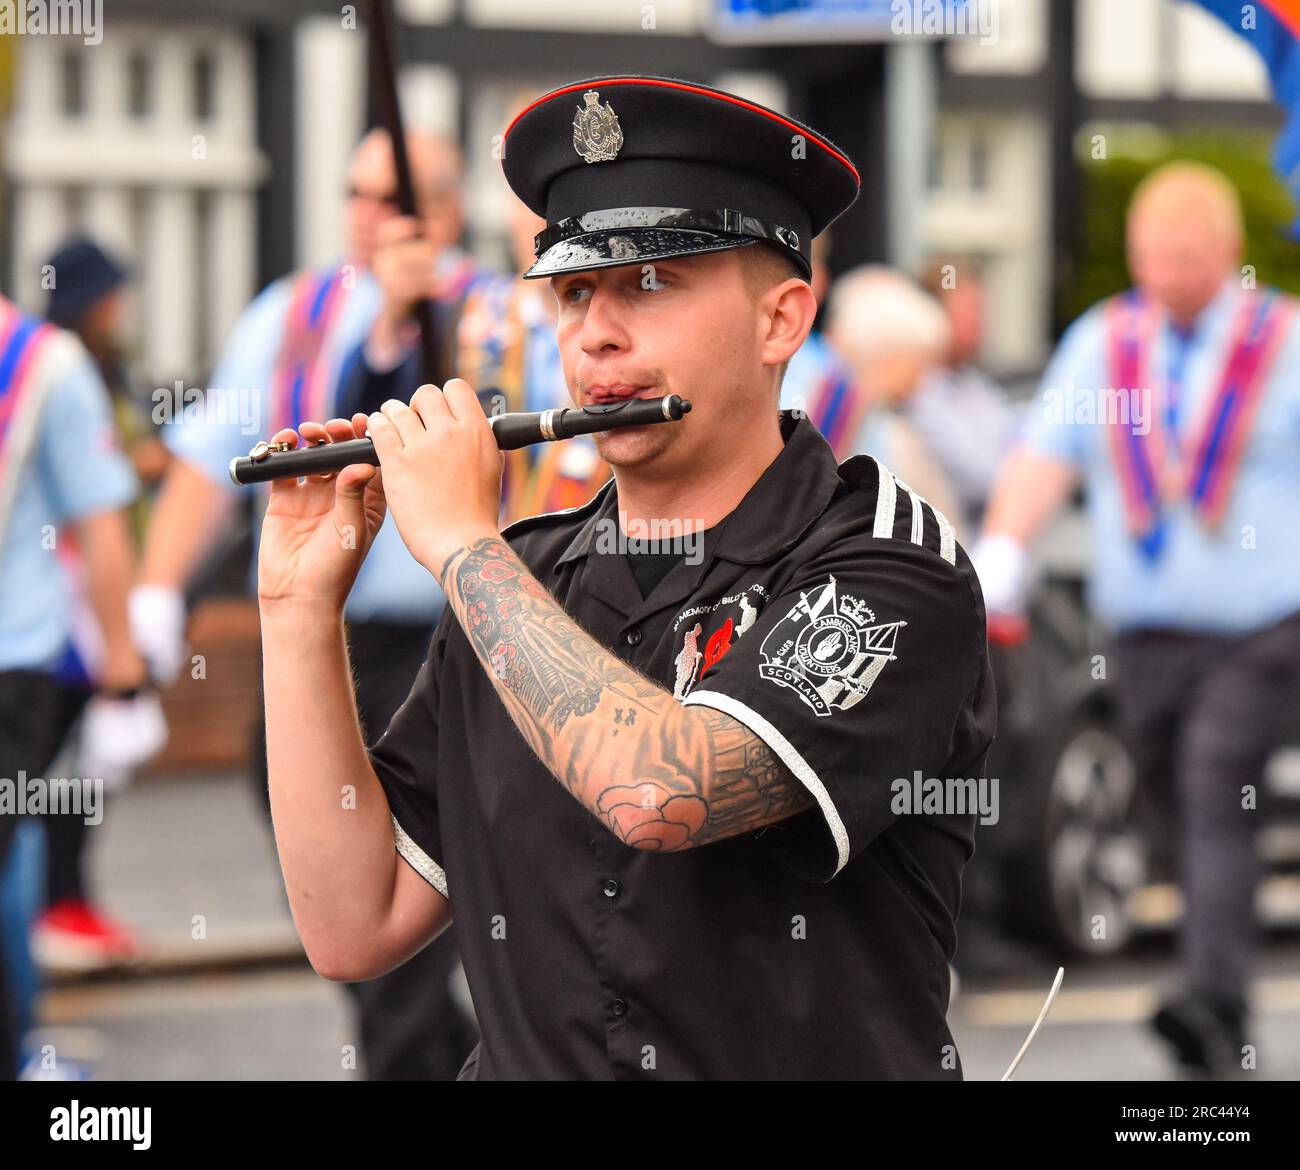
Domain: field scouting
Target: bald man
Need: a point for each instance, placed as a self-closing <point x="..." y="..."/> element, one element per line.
<point x="1178" y="407"/>
<point x="283" y="363"/>
<point x="890" y="334"/>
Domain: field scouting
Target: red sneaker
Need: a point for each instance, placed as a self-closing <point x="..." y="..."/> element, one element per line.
<point x="73" y="936"/>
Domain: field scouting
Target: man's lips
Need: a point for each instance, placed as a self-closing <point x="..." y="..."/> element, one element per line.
<point x="598" y="395"/>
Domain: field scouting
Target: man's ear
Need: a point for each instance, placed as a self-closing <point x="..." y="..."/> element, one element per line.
<point x="789" y="309"/>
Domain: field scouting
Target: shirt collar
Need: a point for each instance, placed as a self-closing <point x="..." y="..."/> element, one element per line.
<point x="1209" y="317"/>
<point x="783" y="504"/>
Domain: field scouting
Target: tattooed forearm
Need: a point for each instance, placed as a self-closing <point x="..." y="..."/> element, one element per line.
<point x="659" y="775"/>
<point x="713" y="779"/>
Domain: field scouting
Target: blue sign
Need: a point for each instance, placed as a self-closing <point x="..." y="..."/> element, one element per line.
<point x="857" y="20"/>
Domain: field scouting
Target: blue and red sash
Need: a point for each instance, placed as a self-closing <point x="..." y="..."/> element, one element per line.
<point x="1150" y="468"/>
<point x="836" y="408"/>
<point x="21" y="339"/>
<point x="303" y="382"/>
<point x="567" y="474"/>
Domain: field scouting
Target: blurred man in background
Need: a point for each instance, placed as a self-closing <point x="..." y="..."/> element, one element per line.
<point x="508" y="346"/>
<point x="64" y="490"/>
<point x="288" y="351"/>
<point x="958" y="410"/>
<point x="88" y="298"/>
<point x="504" y="346"/>
<point x="1178" y="405"/>
<point x="889" y="334"/>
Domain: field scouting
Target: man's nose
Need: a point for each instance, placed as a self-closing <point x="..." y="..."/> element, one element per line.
<point x="603" y="327"/>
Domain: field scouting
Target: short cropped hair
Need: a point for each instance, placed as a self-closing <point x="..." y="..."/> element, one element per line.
<point x="762" y="266"/>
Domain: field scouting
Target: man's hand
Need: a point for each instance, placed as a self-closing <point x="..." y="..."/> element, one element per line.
<point x="119" y="735"/>
<point x="1002" y="566"/>
<point x="405" y="266"/>
<point x="157" y="615"/>
<point x="316" y="533"/>
<point x="442" y="470"/>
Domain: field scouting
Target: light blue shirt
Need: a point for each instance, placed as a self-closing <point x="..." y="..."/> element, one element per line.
<point x="962" y="418"/>
<point x="808" y="365"/>
<point x="75" y="469"/>
<point x="392" y="586"/>
<point x="544" y="385"/>
<point x="1241" y="577"/>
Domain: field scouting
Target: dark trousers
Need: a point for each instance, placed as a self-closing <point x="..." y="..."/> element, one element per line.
<point x="1203" y="714"/>
<point x="411" y="1028"/>
<point x="65" y="870"/>
<point x="36" y="713"/>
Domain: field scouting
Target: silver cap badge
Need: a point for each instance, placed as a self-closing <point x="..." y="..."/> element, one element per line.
<point x="597" y="136"/>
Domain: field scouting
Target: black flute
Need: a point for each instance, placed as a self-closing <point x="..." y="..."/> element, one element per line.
<point x="268" y="461"/>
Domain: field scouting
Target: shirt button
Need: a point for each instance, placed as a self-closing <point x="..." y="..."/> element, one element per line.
<point x="611" y="888"/>
<point x="633" y="637"/>
<point x="619" y="1007"/>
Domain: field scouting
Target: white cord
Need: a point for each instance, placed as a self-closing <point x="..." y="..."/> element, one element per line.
<point x="1047" y="1006"/>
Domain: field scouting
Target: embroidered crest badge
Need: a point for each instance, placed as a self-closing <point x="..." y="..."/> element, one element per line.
<point x="828" y="649"/>
<point x="597" y="136"/>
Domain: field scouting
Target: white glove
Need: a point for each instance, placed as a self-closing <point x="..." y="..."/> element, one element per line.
<point x="157" y="614"/>
<point x="118" y="735"/>
<point x="1002" y="565"/>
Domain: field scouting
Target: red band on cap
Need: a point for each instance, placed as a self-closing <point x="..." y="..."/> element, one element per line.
<point x="712" y="93"/>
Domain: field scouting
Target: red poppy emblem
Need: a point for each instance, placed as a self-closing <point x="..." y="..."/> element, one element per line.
<point x="719" y="643"/>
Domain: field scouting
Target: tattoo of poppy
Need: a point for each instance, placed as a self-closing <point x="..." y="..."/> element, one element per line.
<point x="648" y="817"/>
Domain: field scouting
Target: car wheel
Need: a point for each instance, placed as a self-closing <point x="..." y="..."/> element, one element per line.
<point x="1089" y="855"/>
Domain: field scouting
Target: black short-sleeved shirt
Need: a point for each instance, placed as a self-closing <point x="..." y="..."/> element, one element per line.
<point x="834" y="615"/>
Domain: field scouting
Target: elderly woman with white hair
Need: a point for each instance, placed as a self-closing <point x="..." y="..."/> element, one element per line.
<point x="889" y="333"/>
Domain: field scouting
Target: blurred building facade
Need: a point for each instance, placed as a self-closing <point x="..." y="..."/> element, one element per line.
<point x="206" y="140"/>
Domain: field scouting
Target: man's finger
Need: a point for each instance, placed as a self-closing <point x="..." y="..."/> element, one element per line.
<point x="340" y="430"/>
<point x="404" y="420"/>
<point x="353" y="479"/>
<point x="384" y="435"/>
<point x="431" y="405"/>
<point x="461" y="400"/>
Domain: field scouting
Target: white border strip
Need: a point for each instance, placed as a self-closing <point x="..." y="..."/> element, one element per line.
<point x="886" y="502"/>
<point x="947" y="542"/>
<point x="918" y="518"/>
<point x="790" y="757"/>
<point x="418" y="860"/>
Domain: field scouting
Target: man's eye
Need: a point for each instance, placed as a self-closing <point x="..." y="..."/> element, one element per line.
<point x="575" y="294"/>
<point x="653" y="283"/>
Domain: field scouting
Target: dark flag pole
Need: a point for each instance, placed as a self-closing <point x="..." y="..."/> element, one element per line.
<point x="383" y="79"/>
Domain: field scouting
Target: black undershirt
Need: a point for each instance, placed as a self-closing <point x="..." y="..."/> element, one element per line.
<point x="655" y="559"/>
